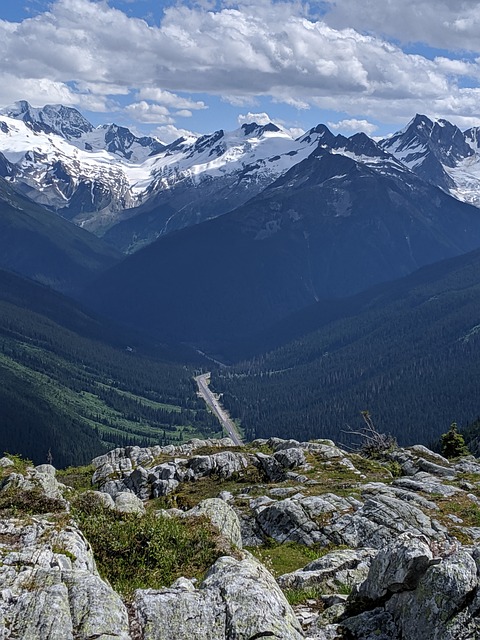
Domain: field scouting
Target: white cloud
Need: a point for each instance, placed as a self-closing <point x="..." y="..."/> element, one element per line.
<point x="259" y="118"/>
<point x="354" y="125"/>
<point x="169" y="99"/>
<point x="146" y="112"/>
<point x="169" y="133"/>
<point x="38" y="91"/>
<point x="246" y="49"/>
<point x="183" y="113"/>
<point x="295" y="132"/>
<point x="240" y="101"/>
<point x="438" y="23"/>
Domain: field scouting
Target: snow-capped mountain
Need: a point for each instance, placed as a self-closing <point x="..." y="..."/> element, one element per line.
<point x="195" y="180"/>
<point x="98" y="177"/>
<point x="56" y="174"/>
<point x="69" y="123"/>
<point x="440" y="153"/>
<point x="134" y="189"/>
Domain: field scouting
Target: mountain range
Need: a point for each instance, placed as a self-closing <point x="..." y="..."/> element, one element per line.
<point x="237" y="243"/>
<point x="42" y="245"/>
<point x="331" y="226"/>
<point x="134" y="189"/>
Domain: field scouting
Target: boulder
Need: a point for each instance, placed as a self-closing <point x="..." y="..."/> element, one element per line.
<point x="397" y="567"/>
<point x="343" y="568"/>
<point x="288" y="521"/>
<point x="222" y="516"/>
<point x="129" y="503"/>
<point x="298" y="519"/>
<point x="239" y="599"/>
<point x="290" y="458"/>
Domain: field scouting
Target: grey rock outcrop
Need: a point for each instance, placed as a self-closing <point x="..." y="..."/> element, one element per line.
<point x="381" y="520"/>
<point x="238" y="600"/>
<point x="41" y="478"/>
<point x="418" y="595"/>
<point x="343" y="568"/>
<point x="49" y="586"/>
<point x="119" y="463"/>
<point x="298" y="520"/>
<point x="222" y="516"/>
<point x="129" y="503"/>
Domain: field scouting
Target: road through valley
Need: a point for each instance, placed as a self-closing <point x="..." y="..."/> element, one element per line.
<point x="216" y="407"/>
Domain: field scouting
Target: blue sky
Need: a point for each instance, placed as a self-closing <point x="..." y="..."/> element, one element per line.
<point x="164" y="68"/>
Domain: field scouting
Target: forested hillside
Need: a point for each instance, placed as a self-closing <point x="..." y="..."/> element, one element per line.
<point x="39" y="244"/>
<point x="73" y="385"/>
<point x="409" y="355"/>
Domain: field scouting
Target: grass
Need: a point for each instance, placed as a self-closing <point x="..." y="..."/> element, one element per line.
<point x="280" y="558"/>
<point x="141" y="552"/>
<point x="79" y="478"/>
<point x="302" y="596"/>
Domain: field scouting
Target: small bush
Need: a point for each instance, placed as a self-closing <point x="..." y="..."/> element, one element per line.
<point x="14" y="501"/>
<point x="141" y="552"/>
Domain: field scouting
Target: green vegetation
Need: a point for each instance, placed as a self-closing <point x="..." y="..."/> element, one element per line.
<point x="27" y="501"/>
<point x="72" y="385"/>
<point x="407" y="350"/>
<point x="302" y="596"/>
<point x="78" y="478"/>
<point x="286" y="557"/>
<point x="161" y="549"/>
<point x="453" y="443"/>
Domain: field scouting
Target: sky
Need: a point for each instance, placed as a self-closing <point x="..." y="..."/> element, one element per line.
<point x="169" y="67"/>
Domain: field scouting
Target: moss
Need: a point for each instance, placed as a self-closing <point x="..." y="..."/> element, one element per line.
<point x="64" y="552"/>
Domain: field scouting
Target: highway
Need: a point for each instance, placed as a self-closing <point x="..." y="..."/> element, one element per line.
<point x="216" y="407"/>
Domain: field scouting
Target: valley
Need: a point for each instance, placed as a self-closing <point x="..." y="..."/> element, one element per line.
<point x="330" y="274"/>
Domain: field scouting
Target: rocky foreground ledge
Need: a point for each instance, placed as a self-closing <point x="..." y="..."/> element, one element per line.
<point x="298" y="540"/>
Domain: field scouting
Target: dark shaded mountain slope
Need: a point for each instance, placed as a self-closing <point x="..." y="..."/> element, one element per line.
<point x="39" y="244"/>
<point x="328" y="228"/>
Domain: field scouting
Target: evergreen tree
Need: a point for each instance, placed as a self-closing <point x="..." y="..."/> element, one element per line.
<point x="453" y="443"/>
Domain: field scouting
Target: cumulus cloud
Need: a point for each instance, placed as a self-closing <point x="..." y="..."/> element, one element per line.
<point x="169" y="133"/>
<point x="438" y="23"/>
<point x="259" y="118"/>
<point x="354" y="125"/>
<point x="152" y="113"/>
<point x="247" y="49"/>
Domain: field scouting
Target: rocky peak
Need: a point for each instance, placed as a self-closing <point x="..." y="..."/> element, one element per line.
<point x="259" y="129"/>
<point x="52" y="118"/>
